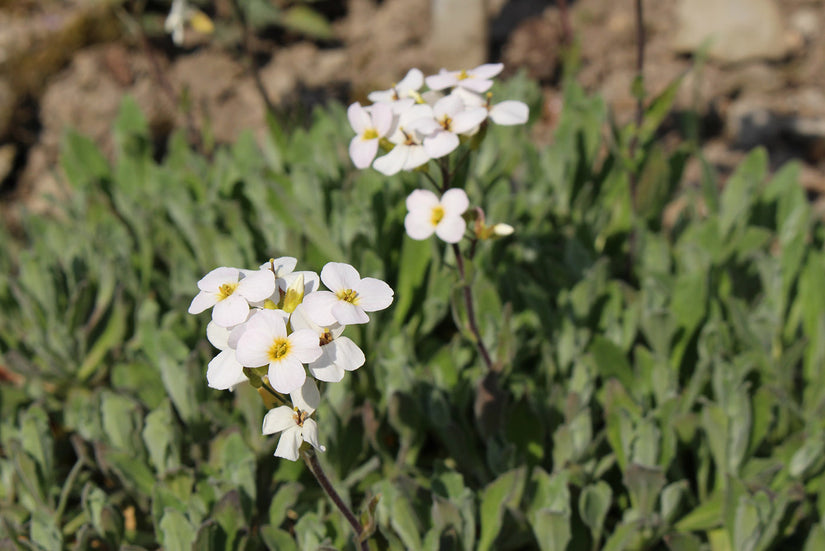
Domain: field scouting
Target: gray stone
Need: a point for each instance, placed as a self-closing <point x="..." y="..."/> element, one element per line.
<point x="736" y="30"/>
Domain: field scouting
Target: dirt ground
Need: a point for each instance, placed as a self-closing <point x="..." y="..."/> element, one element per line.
<point x="68" y="64"/>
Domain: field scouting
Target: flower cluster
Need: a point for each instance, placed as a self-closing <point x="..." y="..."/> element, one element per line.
<point x="271" y="322"/>
<point x="417" y="126"/>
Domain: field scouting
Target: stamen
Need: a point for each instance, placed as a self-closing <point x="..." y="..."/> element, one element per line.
<point x="437" y="215"/>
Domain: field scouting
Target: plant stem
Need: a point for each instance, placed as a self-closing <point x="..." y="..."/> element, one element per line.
<point x="315" y="468"/>
<point x="471" y="315"/>
<point x="271" y="390"/>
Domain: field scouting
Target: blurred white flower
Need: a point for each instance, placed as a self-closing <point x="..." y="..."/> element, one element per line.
<point x="295" y="423"/>
<point x="427" y="215"/>
<point x="224" y="372"/>
<point x="505" y="113"/>
<point x="453" y="118"/>
<point x="414" y="124"/>
<point x="407" y="88"/>
<point x="370" y="124"/>
<point x="477" y="80"/>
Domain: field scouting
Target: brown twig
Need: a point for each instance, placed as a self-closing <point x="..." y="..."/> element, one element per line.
<point x="471" y="316"/>
<point x="315" y="468"/>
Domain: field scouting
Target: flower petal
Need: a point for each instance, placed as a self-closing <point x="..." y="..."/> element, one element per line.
<point x="349" y="314"/>
<point x="373" y="294"/>
<point x="203" y="301"/>
<point x="217" y="277"/>
<point x="422" y="199"/>
<point x="455" y="202"/>
<point x="444" y="79"/>
<point x="324" y="368"/>
<point x="448" y="106"/>
<point x="451" y="229"/>
<point x="467" y="120"/>
<point x="509" y="112"/>
<point x="478" y="85"/>
<point x="488" y="70"/>
<point x="359" y="118"/>
<point x="319" y="307"/>
<point x="278" y="419"/>
<point x="289" y="444"/>
<point x="392" y="162"/>
<point x="309" y="434"/>
<point x="258" y="285"/>
<point x="418" y="224"/>
<point x="416" y="156"/>
<point x="304" y="345"/>
<point x="286" y="375"/>
<point x="217" y="335"/>
<point x="230" y="311"/>
<point x="441" y="144"/>
<point x="307" y="398"/>
<point x="347" y="354"/>
<point x="382" y="118"/>
<point x="224" y="371"/>
<point x="338" y="276"/>
<point x="413" y="80"/>
<point x="362" y="151"/>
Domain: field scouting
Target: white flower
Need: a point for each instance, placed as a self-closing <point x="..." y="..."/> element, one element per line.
<point x="295" y="423"/>
<point x="501" y="229"/>
<point x="265" y="342"/>
<point x="176" y="20"/>
<point x="477" y="80"/>
<point x="230" y="294"/>
<point x="407" y="88"/>
<point x="224" y="372"/>
<point x="349" y="297"/>
<point x="428" y="214"/>
<point x="414" y="124"/>
<point x="453" y="118"/>
<point x="370" y="124"/>
<point x="505" y="113"/>
<point x="338" y="354"/>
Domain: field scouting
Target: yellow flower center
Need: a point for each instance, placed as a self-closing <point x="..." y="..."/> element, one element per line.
<point x="370" y="134"/>
<point x="326" y="338"/>
<point x="446" y="122"/>
<point x="462" y="75"/>
<point x="437" y="215"/>
<point x="300" y="417"/>
<point x="226" y="290"/>
<point x="279" y="349"/>
<point x="347" y="295"/>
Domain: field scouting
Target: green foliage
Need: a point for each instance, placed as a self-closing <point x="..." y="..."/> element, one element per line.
<point x="661" y="385"/>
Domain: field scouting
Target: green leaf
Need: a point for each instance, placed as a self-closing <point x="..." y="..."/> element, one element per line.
<point x="611" y="361"/>
<point x="594" y="503"/>
<point x="306" y="20"/>
<point x="45" y="532"/>
<point x="177" y="533"/>
<point x="412" y="271"/>
<point x="740" y="190"/>
<point x="503" y="492"/>
<point x="162" y="438"/>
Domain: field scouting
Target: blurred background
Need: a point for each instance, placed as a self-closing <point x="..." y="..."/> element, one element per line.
<point x="753" y="69"/>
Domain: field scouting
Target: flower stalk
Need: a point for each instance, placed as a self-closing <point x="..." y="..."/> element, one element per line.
<point x="317" y="471"/>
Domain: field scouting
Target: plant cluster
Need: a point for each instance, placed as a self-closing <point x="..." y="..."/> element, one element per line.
<point x="653" y="384"/>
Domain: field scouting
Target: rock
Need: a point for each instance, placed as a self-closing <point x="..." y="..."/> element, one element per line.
<point x="535" y="45"/>
<point x="737" y="30"/>
<point x="458" y="30"/>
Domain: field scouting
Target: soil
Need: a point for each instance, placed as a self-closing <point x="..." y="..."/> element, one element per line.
<point x="69" y="64"/>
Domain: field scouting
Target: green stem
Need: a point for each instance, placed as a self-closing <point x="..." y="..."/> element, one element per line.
<point x="315" y="468"/>
<point x="274" y="394"/>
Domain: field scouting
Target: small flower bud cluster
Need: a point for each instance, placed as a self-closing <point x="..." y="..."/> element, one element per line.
<point x="271" y="322"/>
<point x="416" y="126"/>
